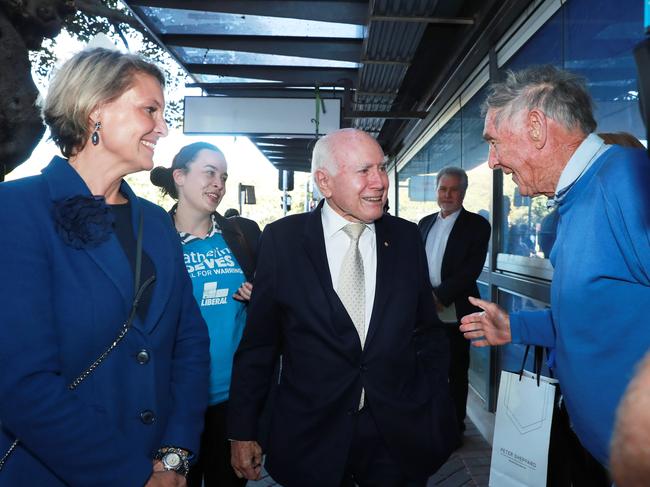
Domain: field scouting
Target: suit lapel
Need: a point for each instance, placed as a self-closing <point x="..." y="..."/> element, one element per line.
<point x="160" y="253"/>
<point x="64" y="182"/>
<point x="386" y="258"/>
<point x="314" y="244"/>
<point x="454" y="243"/>
<point x="427" y="226"/>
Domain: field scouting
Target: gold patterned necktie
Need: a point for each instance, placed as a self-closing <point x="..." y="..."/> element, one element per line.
<point x="352" y="285"/>
<point x="351" y="288"/>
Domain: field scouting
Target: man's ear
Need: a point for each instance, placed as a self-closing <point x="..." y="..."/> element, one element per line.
<point x="323" y="181"/>
<point x="537" y="127"/>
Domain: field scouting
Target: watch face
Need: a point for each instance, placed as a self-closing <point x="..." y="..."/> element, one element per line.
<point x="172" y="460"/>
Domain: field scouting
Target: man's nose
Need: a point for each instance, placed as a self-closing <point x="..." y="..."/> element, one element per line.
<point x="377" y="180"/>
<point x="492" y="158"/>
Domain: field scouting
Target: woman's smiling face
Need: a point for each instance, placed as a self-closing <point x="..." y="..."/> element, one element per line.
<point x="203" y="184"/>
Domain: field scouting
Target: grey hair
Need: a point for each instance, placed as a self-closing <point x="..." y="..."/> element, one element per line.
<point x="88" y="79"/>
<point x="455" y="172"/>
<point x="322" y="156"/>
<point x="561" y="95"/>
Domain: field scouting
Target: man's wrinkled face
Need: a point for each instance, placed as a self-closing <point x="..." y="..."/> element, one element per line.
<point x="511" y="150"/>
<point x="359" y="188"/>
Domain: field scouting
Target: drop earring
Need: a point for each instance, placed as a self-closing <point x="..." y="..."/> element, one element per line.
<point x="95" y="136"/>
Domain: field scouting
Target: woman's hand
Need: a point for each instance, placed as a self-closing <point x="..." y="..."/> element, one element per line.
<point x="244" y="292"/>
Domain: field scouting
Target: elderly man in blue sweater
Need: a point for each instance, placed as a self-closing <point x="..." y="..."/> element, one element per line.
<point x="539" y="124"/>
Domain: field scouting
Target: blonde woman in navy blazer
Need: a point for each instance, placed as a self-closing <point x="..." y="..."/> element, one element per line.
<point x="69" y="253"/>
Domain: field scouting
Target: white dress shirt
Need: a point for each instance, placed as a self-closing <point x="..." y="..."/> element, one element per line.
<point x="436" y="244"/>
<point x="336" y="246"/>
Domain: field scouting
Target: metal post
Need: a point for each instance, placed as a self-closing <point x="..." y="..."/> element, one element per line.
<point x="241" y="199"/>
<point x="285" y="175"/>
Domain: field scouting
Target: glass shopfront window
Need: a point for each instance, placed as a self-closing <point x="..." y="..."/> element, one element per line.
<point x="417" y="181"/>
<point x="593" y="38"/>
<point x="512" y="355"/>
<point x="458" y="143"/>
<point x="474" y="158"/>
<point x="479" y="359"/>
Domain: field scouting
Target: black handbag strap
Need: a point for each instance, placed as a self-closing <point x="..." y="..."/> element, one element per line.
<point x="537" y="362"/>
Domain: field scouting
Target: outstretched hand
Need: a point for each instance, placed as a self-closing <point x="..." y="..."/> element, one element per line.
<point x="488" y="327"/>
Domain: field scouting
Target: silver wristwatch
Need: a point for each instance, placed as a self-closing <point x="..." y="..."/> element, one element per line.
<point x="174" y="459"/>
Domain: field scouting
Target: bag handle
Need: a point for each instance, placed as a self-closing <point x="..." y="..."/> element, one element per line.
<point x="537" y="362"/>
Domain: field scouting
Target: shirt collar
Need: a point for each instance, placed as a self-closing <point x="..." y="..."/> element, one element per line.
<point x="187" y="237"/>
<point x="587" y="152"/>
<point x="450" y="219"/>
<point x="333" y="222"/>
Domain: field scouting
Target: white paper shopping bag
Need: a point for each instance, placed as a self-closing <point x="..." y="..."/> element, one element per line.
<point x="522" y="431"/>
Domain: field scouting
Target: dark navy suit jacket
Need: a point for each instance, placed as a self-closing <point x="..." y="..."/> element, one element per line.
<point x="61" y="308"/>
<point x="463" y="259"/>
<point x="295" y="311"/>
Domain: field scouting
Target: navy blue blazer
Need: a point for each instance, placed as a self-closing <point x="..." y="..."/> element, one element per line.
<point x="463" y="259"/>
<point x="61" y="307"/>
<point x="295" y="311"/>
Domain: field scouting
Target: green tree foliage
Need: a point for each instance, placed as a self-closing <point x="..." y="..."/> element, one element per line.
<point x="112" y="18"/>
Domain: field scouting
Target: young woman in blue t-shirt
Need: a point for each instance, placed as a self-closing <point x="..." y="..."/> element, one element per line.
<point x="220" y="259"/>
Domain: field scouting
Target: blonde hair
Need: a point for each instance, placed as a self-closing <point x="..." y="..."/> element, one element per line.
<point x="91" y="77"/>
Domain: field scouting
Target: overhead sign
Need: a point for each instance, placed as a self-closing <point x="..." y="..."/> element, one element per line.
<point x="240" y="116"/>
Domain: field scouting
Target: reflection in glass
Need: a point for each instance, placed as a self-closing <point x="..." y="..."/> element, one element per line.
<point x="195" y="55"/>
<point x="459" y="143"/>
<point x="512" y="355"/>
<point x="595" y="39"/>
<point x="215" y="78"/>
<point x="179" y="21"/>
<point x="475" y="155"/>
<point x="479" y="359"/>
<point x="417" y="187"/>
<point x="528" y="225"/>
<point x="599" y="38"/>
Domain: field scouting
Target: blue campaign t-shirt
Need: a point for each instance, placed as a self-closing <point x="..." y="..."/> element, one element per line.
<point x="216" y="276"/>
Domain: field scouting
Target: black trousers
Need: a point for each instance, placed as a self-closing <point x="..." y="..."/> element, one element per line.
<point x="370" y="464"/>
<point x="569" y="463"/>
<point x="213" y="466"/>
<point x="458" y="368"/>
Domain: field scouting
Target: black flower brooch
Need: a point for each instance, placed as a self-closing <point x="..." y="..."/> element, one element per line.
<point x="83" y="222"/>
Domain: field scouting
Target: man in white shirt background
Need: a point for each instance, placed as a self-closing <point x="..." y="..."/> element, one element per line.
<point x="456" y="243"/>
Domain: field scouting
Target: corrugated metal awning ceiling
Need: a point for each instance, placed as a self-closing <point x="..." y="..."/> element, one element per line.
<point x="382" y="58"/>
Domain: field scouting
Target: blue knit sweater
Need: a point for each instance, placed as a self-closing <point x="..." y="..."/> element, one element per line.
<point x="598" y="322"/>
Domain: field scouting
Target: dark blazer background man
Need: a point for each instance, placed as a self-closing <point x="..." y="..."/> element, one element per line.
<point x="456" y="243"/>
<point x="360" y="399"/>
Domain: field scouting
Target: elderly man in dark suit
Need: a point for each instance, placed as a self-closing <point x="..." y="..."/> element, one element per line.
<point x="339" y="293"/>
<point x="456" y="242"/>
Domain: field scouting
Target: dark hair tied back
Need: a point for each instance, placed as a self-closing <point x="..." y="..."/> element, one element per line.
<point x="163" y="177"/>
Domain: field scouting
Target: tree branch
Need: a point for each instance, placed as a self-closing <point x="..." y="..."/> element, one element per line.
<point x="95" y="8"/>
